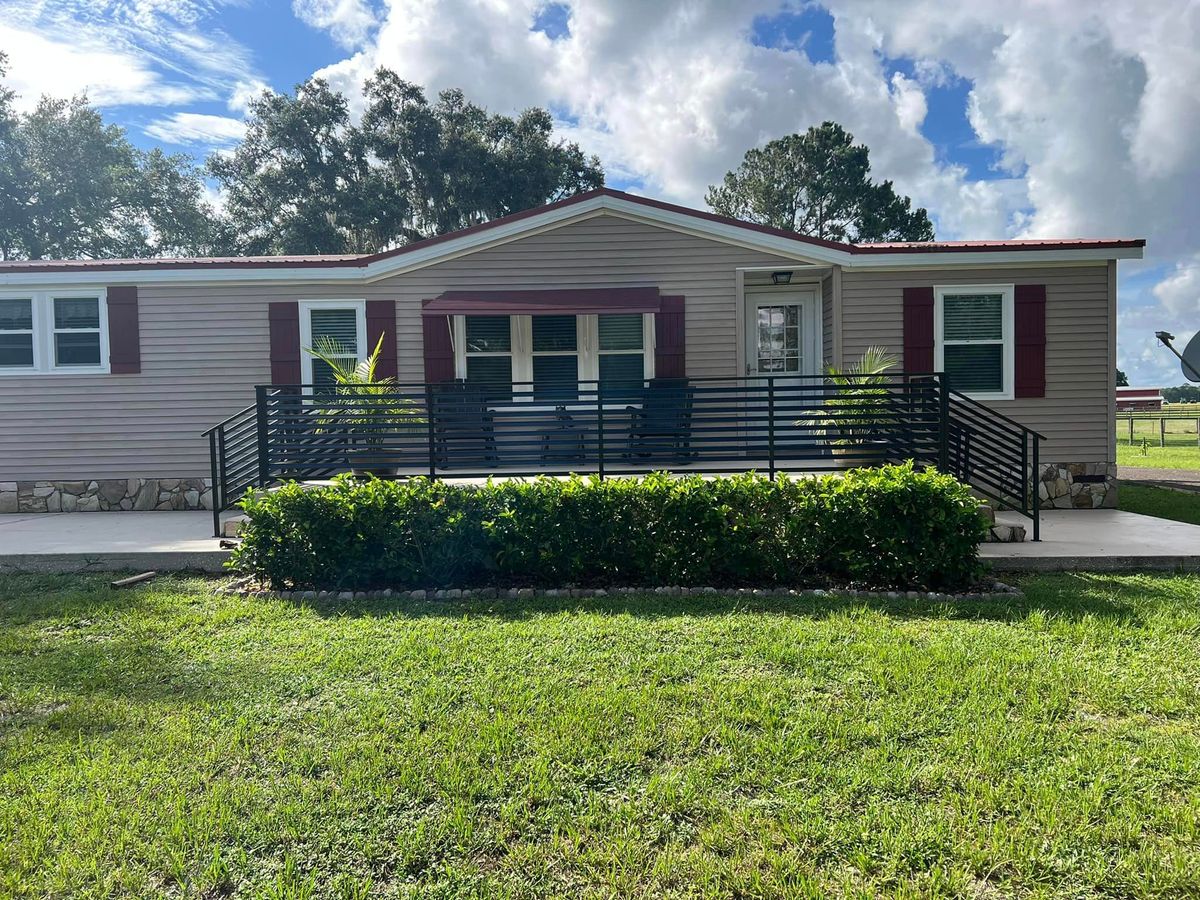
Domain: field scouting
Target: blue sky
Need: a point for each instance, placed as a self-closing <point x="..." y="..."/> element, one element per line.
<point x="1005" y="118"/>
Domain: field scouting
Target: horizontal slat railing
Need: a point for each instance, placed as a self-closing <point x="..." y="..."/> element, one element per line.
<point x="769" y="423"/>
<point x="233" y="457"/>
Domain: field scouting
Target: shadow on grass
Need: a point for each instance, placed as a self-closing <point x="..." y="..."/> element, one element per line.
<point x="25" y="599"/>
<point x="75" y="635"/>
<point x="1073" y="597"/>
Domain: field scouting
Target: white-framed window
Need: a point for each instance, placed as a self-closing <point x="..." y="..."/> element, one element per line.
<point x="53" y="332"/>
<point x="973" y="338"/>
<point x="547" y="355"/>
<point x="341" y="324"/>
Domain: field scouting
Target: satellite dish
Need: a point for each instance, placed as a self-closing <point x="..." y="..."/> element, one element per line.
<point x="1191" y="359"/>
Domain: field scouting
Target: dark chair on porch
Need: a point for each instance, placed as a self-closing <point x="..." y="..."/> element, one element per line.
<point x="464" y="432"/>
<point x="661" y="427"/>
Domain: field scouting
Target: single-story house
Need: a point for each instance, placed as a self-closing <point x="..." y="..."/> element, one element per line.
<point x="1135" y="399"/>
<point x="111" y="370"/>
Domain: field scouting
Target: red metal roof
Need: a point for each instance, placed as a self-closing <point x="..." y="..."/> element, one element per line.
<point x="360" y="260"/>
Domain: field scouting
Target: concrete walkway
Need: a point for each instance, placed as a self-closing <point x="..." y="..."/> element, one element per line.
<point x="108" y="542"/>
<point x="1097" y="540"/>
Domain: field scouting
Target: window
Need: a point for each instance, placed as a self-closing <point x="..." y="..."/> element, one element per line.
<point x="16" y="333"/>
<point x="489" y="359"/>
<point x="76" y="331"/>
<point x="337" y="327"/>
<point x="47" y="332"/>
<point x="546" y="356"/>
<point x="555" y="367"/>
<point x="622" y="349"/>
<point x="974" y="339"/>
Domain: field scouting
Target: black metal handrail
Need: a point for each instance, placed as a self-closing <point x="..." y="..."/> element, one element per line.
<point x="233" y="454"/>
<point x="770" y="423"/>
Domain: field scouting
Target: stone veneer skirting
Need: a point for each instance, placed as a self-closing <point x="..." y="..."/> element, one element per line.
<point x="1062" y="486"/>
<point x="1078" y="485"/>
<point x="105" y="494"/>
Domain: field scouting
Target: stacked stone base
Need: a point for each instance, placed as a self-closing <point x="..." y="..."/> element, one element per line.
<point x="105" y="495"/>
<point x="1078" y="486"/>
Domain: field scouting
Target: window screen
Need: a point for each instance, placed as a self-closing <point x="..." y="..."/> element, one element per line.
<point x="334" y="330"/>
<point x="16" y="333"/>
<point x="620" y="332"/>
<point x="76" y="331"/>
<point x="488" y="334"/>
<point x="621" y="343"/>
<point x="555" y="376"/>
<point x="973" y="342"/>
<point x="552" y="333"/>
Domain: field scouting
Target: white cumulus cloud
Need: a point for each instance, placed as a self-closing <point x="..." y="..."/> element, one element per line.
<point x="196" y="128"/>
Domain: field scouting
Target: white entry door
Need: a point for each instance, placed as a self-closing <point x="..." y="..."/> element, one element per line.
<point x="783" y="340"/>
<point x="783" y="333"/>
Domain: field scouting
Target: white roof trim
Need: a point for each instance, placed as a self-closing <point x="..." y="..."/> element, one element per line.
<point x="421" y="257"/>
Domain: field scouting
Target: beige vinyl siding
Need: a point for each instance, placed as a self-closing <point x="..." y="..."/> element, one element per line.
<point x="205" y="347"/>
<point x="827" y="321"/>
<point x="1074" y="414"/>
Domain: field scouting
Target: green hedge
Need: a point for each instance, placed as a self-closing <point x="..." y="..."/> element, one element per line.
<point x="885" y="527"/>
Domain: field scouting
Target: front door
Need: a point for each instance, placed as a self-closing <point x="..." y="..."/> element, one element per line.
<point x="783" y="340"/>
<point x="783" y="334"/>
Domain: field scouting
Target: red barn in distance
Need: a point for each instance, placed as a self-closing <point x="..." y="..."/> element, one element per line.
<point x="1136" y="399"/>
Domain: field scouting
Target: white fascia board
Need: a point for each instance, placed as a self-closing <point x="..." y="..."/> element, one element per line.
<point x="991" y="258"/>
<point x="420" y="257"/>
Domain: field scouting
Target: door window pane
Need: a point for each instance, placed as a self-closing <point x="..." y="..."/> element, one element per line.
<point x="553" y="333"/>
<point x="488" y="334"/>
<point x="620" y="332"/>
<point x="779" y="339"/>
<point x="975" y="367"/>
<point x="77" y="348"/>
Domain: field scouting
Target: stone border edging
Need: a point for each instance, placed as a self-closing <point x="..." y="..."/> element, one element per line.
<point x="998" y="589"/>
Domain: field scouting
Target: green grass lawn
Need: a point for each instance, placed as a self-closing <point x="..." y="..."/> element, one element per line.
<point x="165" y="741"/>
<point x="1160" y="502"/>
<point x="1155" y="457"/>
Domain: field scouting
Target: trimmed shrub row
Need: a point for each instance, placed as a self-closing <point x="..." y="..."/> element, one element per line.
<point x="890" y="527"/>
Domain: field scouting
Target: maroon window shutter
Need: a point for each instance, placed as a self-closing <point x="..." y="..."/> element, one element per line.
<point x="285" y="342"/>
<point x="670" y="342"/>
<point x="1029" y="339"/>
<point x="124" y="339"/>
<point x="381" y="322"/>
<point x="918" y="329"/>
<point x="439" y="348"/>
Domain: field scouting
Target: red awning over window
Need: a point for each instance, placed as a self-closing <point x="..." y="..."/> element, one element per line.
<point x="578" y="301"/>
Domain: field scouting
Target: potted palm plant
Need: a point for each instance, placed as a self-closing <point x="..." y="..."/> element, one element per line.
<point x="365" y="408"/>
<point x="859" y="409"/>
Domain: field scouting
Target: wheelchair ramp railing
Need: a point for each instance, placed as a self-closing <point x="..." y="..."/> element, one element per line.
<point x="771" y="423"/>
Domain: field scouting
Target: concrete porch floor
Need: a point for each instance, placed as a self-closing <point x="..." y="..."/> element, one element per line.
<point x="1098" y="539"/>
<point x="109" y="542"/>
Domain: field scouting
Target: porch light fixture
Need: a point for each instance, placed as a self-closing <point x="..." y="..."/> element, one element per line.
<point x="781" y="277"/>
